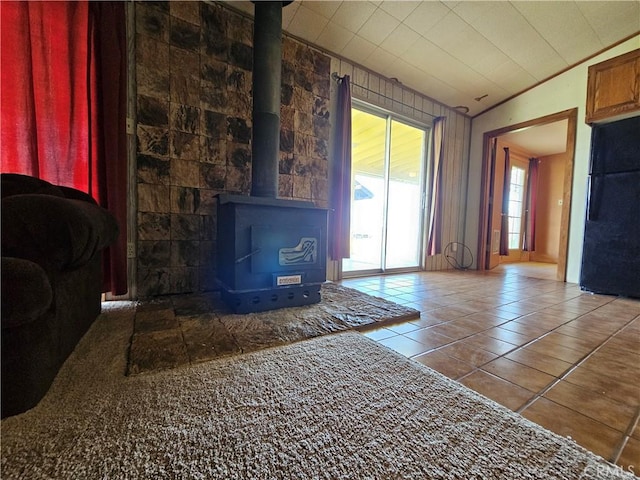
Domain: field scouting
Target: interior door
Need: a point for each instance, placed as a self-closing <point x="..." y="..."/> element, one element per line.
<point x="517" y="195"/>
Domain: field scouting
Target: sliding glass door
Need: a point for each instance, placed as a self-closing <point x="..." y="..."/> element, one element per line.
<point x="388" y="158"/>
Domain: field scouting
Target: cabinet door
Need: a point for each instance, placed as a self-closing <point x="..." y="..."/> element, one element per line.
<point x="613" y="88"/>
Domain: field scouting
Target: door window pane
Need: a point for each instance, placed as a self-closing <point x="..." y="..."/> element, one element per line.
<point x="516" y="200"/>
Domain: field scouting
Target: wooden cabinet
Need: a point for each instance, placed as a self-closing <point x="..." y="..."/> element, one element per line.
<point x="613" y="88"/>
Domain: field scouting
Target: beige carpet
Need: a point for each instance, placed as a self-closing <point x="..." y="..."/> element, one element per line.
<point x="334" y="407"/>
<point x="188" y="329"/>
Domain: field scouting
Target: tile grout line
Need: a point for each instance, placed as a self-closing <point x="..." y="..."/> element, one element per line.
<point x="625" y="437"/>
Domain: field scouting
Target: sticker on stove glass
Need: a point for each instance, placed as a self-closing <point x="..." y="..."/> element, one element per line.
<point x="306" y="252"/>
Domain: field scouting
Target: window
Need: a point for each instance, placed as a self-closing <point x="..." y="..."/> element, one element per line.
<point x="516" y="203"/>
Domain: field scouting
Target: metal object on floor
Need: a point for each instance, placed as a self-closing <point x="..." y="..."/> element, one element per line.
<point x="458" y="255"/>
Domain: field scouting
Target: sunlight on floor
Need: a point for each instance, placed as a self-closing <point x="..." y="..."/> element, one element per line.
<point x="545" y="271"/>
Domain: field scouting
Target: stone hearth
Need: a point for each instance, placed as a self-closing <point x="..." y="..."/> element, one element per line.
<point x="187" y="329"/>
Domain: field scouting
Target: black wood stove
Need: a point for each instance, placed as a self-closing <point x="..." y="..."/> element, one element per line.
<point x="271" y="252"/>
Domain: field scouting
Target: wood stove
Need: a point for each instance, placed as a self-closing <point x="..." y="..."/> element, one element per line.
<point x="271" y="252"/>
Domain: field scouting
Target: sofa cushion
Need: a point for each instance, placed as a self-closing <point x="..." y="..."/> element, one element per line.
<point x="26" y="292"/>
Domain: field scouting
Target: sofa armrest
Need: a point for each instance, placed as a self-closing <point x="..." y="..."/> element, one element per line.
<point x="55" y="232"/>
<point x="26" y="292"/>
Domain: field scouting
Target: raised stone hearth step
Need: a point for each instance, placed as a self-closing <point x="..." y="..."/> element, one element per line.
<point x="187" y="329"/>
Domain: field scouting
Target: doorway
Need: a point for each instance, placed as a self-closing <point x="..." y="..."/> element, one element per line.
<point x="555" y="235"/>
<point x="387" y="200"/>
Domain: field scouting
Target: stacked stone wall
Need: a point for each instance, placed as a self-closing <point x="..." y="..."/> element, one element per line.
<point x="193" y="81"/>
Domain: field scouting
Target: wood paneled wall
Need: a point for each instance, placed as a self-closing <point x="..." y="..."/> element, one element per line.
<point x="392" y="96"/>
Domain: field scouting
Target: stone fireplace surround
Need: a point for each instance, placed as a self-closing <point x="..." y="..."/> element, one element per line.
<point x="193" y="74"/>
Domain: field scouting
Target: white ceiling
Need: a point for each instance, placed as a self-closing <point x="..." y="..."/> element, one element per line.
<point x="457" y="51"/>
<point x="540" y="140"/>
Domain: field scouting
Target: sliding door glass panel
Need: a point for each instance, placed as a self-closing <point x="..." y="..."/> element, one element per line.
<point x="386" y="205"/>
<point x="368" y="191"/>
<point x="404" y="207"/>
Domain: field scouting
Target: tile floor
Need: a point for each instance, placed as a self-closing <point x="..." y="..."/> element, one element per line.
<point x="565" y="359"/>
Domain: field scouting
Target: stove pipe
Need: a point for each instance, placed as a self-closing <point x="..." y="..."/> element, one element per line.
<point x="267" y="73"/>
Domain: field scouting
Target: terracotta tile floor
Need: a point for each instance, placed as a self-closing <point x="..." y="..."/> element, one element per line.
<point x="565" y="359"/>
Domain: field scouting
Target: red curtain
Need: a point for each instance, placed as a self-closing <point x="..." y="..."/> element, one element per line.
<point x="63" y="98"/>
<point x="506" y="185"/>
<point x="434" y="246"/>
<point x="340" y="189"/>
<point x="532" y="199"/>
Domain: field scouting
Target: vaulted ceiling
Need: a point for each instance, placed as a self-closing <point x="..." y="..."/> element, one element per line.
<point x="471" y="53"/>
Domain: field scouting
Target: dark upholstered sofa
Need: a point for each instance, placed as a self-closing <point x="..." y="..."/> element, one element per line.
<point x="52" y="239"/>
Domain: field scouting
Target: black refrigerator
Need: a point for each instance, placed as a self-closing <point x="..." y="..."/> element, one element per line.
<point x="611" y="250"/>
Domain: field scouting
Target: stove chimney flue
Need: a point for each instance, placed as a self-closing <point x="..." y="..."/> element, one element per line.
<point x="267" y="74"/>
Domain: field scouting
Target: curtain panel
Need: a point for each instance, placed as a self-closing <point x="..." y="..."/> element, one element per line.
<point x="434" y="245"/>
<point x="340" y="188"/>
<point x="63" y="98"/>
<point x="492" y="193"/>
<point x="532" y="199"/>
<point x="504" y="219"/>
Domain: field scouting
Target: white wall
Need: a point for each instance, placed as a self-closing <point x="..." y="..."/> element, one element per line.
<point x="566" y="91"/>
